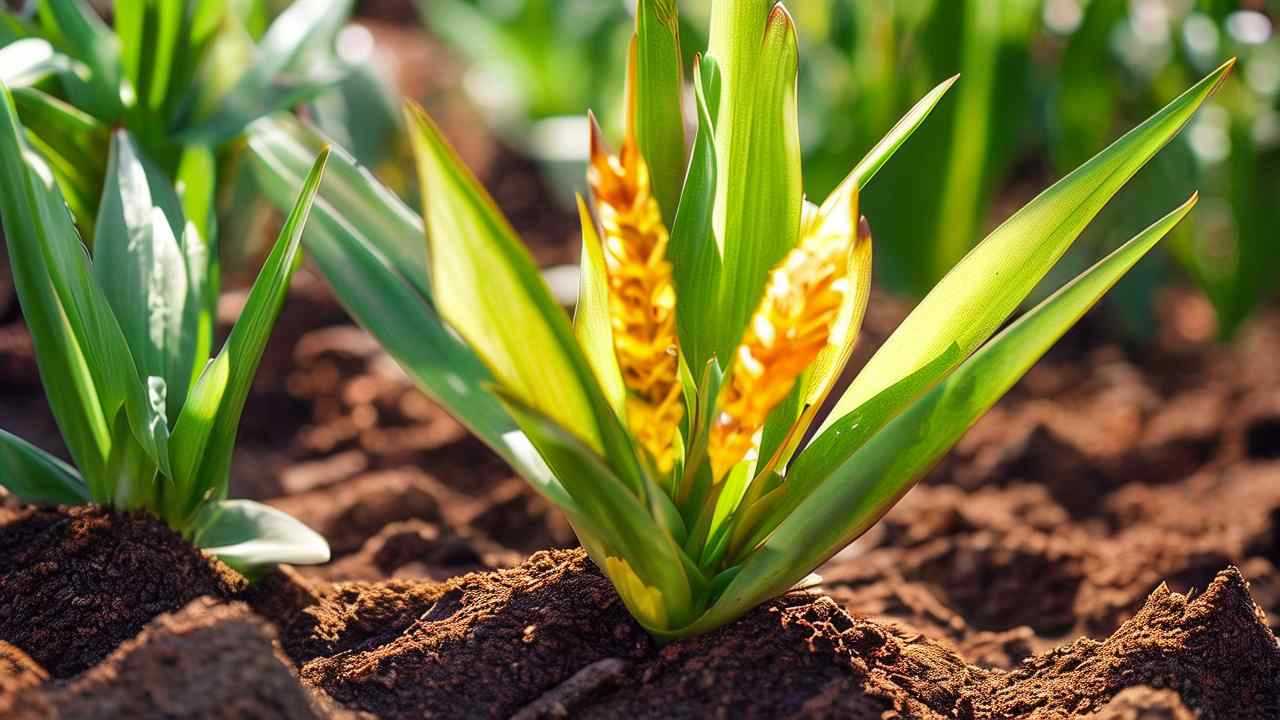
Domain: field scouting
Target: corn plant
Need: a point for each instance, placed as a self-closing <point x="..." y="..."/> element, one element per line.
<point x="149" y="418"/>
<point x="674" y="419"/>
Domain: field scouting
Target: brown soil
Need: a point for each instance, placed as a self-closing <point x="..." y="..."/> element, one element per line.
<point x="1105" y="498"/>
<point x="206" y="660"/>
<point x="77" y="582"/>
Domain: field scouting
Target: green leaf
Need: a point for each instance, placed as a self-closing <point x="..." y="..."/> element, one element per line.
<point x="658" y="84"/>
<point x="986" y="286"/>
<point x="489" y="289"/>
<point x="35" y="476"/>
<point x="862" y="489"/>
<point x="902" y="130"/>
<point x="73" y="143"/>
<point x="592" y="325"/>
<point x="197" y="185"/>
<point x="79" y="347"/>
<point x="141" y="270"/>
<point x="363" y="240"/>
<point x="250" y="537"/>
<point x="90" y="41"/>
<point x="272" y="83"/>
<point x="230" y="375"/>
<point x="30" y="60"/>
<point x="692" y="249"/>
<point x="758" y="191"/>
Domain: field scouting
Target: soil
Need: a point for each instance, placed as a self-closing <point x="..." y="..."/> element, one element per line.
<point x="1103" y="544"/>
<point x="77" y="582"/>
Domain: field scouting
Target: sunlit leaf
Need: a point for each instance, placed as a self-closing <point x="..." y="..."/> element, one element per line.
<point x="851" y="499"/>
<point x="249" y="536"/>
<point x="758" y="184"/>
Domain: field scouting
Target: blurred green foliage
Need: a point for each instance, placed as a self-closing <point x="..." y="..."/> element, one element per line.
<point x="1044" y="85"/>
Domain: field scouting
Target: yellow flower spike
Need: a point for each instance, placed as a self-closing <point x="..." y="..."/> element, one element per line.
<point x="642" y="297"/>
<point x="790" y="328"/>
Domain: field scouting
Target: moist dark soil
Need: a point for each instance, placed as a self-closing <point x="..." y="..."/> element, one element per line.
<point x="77" y="582"/>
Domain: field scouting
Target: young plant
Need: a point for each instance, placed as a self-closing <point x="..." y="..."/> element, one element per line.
<point x="150" y="419"/>
<point x="672" y="418"/>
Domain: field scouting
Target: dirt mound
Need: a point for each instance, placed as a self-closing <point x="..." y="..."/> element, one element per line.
<point x="77" y="582"/>
<point x="488" y="643"/>
<point x="551" y="639"/>
<point x="1214" y="650"/>
<point x="208" y="660"/>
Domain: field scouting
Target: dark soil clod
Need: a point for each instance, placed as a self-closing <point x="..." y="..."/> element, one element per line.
<point x="77" y="582"/>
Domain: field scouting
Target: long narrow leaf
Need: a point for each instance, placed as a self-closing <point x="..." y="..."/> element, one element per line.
<point x="863" y="488"/>
<point x="992" y="280"/>
<point x="363" y="240"/>
<point x="901" y="131"/>
<point x="490" y="291"/>
<point x="79" y="346"/>
<point x="693" y="250"/>
<point x="758" y="191"/>
<point x="592" y="325"/>
<point x="658" y="85"/>
<point x="73" y="143"/>
<point x="234" y="368"/>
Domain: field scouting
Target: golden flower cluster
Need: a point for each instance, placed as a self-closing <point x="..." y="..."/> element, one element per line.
<point x="642" y="297"/>
<point x="790" y="327"/>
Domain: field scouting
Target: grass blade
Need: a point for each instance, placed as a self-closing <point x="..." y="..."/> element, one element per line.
<point x="239" y="358"/>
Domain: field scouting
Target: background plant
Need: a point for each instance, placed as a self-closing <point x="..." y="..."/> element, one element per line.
<point x="692" y="528"/>
<point x="1119" y="61"/>
<point x="121" y="341"/>
<point x="184" y="78"/>
<point x="1047" y="84"/>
